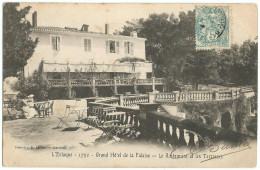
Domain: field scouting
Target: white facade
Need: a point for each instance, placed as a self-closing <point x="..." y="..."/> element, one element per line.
<point x="60" y="45"/>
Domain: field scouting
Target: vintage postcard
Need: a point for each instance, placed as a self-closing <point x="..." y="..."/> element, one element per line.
<point x="129" y="85"/>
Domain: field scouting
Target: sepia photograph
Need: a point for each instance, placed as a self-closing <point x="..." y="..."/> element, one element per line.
<point x="129" y="85"/>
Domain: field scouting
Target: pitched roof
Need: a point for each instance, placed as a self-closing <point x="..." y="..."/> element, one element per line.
<point x="75" y="31"/>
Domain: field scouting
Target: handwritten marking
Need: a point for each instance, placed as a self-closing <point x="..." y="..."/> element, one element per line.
<point x="225" y="154"/>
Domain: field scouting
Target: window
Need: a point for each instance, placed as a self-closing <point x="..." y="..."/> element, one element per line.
<point x="87" y="45"/>
<point x="112" y="46"/>
<point x="55" y="43"/>
<point x="129" y="48"/>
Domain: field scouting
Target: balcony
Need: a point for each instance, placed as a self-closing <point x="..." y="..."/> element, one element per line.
<point x="106" y="82"/>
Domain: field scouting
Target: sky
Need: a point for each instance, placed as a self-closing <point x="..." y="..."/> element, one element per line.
<point x="243" y="16"/>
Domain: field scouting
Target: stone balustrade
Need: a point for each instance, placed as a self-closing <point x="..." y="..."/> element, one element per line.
<point x="169" y="130"/>
<point x="174" y="131"/>
<point x="133" y="101"/>
<point x="195" y="96"/>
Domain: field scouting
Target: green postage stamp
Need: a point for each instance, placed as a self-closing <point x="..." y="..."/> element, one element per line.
<point x="212" y="27"/>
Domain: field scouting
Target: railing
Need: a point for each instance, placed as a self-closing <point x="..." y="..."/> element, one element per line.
<point x="133" y="101"/>
<point x="58" y="83"/>
<point x="144" y="81"/>
<point x="174" y="131"/>
<point x="105" y="82"/>
<point x="195" y="96"/>
<point x="165" y="97"/>
<point x="169" y="130"/>
<point x="223" y="95"/>
<point x="124" y="81"/>
<point x="159" y="80"/>
<point x="80" y="83"/>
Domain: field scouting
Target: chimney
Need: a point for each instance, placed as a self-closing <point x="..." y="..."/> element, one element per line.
<point x="106" y="29"/>
<point x="34" y="19"/>
<point x="84" y="28"/>
<point x="133" y="34"/>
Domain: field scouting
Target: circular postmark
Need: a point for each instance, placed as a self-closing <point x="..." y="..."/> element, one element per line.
<point x="211" y="23"/>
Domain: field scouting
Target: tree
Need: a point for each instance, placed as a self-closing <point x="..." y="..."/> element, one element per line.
<point x="171" y="47"/>
<point x="238" y="65"/>
<point x="18" y="47"/>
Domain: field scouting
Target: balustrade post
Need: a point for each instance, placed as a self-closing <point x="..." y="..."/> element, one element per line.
<point x="151" y="97"/>
<point x="174" y="140"/>
<point x="167" y="134"/>
<point x="121" y="99"/>
<point x="147" y="121"/>
<point x="153" y="84"/>
<point x="233" y="93"/>
<point x="177" y="95"/>
<point x="216" y="95"/>
<point x="115" y="87"/>
<point x="181" y="138"/>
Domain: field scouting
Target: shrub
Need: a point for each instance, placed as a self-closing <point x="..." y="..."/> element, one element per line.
<point x="37" y="84"/>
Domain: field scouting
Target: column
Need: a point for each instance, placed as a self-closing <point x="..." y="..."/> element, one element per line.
<point x="135" y="86"/>
<point x="93" y="87"/>
<point x="115" y="87"/>
<point x="69" y="87"/>
<point x="153" y="84"/>
<point x="177" y="95"/>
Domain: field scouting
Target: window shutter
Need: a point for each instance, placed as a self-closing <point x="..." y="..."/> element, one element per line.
<point x="85" y="45"/>
<point x="53" y="42"/>
<point x="117" y="47"/>
<point x="58" y="43"/>
<point x="107" y="46"/>
<point x="126" y="48"/>
<point x="88" y="45"/>
<point x="131" y="48"/>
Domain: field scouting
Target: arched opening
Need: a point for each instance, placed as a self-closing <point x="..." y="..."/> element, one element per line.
<point x="226" y="120"/>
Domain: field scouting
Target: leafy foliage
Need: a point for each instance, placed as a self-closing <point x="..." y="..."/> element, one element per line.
<point x="213" y="109"/>
<point x="170" y="46"/>
<point x="238" y="65"/>
<point x="130" y="59"/>
<point x="37" y="85"/>
<point x="18" y="47"/>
